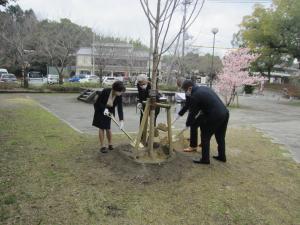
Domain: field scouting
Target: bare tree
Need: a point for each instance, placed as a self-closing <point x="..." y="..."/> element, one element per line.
<point x="59" y="41"/>
<point x="160" y="16"/>
<point x="17" y="28"/>
<point x="104" y="54"/>
<point x="4" y="2"/>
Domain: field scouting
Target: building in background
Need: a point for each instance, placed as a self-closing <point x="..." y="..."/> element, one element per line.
<point x="112" y="59"/>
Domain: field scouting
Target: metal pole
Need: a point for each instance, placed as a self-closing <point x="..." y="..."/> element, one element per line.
<point x="214" y="31"/>
<point x="185" y="3"/>
<point x="212" y="62"/>
<point x="93" y="55"/>
<point x="183" y="40"/>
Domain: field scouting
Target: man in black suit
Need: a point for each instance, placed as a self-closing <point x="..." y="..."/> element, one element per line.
<point x="208" y="111"/>
<point x="194" y="128"/>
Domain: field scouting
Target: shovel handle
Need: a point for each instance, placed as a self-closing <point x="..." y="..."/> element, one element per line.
<point x="175" y="120"/>
<point x="115" y="121"/>
<point x="181" y="132"/>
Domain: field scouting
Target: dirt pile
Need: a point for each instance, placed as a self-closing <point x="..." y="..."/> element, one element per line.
<point x="125" y="168"/>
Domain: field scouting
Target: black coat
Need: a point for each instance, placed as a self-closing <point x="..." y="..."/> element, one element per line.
<point x="101" y="121"/>
<point x="185" y="107"/>
<point x="143" y="94"/>
<point x="205" y="101"/>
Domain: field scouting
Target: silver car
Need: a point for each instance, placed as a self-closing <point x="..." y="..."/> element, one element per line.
<point x="8" y="78"/>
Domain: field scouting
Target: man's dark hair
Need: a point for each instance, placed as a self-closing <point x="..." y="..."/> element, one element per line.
<point x="118" y="86"/>
<point x="186" y="84"/>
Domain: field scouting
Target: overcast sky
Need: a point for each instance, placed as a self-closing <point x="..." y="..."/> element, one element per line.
<point x="125" y="18"/>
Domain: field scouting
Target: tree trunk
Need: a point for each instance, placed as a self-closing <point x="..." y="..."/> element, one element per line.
<point x="25" y="78"/>
<point x="100" y="75"/>
<point x="232" y="95"/>
<point x="269" y="74"/>
<point x="60" y="75"/>
<point x="61" y="79"/>
<point x="153" y="80"/>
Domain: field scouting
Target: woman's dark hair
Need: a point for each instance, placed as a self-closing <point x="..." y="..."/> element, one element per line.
<point x="186" y="84"/>
<point x="118" y="86"/>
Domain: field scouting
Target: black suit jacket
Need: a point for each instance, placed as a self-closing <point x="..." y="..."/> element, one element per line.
<point x="101" y="102"/>
<point x="185" y="107"/>
<point x="205" y="101"/>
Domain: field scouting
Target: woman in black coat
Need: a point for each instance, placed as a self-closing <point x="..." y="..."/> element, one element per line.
<point x="106" y="102"/>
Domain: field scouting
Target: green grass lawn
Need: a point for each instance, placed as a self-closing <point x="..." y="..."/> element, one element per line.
<point x="293" y="103"/>
<point x="52" y="175"/>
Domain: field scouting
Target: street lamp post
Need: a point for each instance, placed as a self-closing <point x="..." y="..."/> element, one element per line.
<point x="214" y="31"/>
<point x="184" y="35"/>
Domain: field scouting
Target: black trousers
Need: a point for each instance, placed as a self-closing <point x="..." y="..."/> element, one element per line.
<point x="219" y="130"/>
<point x="194" y="135"/>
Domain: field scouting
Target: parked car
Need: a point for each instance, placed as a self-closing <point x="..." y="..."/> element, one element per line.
<point x="90" y="78"/>
<point x="36" y="77"/>
<point x="77" y="78"/>
<point x="8" y="78"/>
<point x="52" y="79"/>
<point x="109" y="80"/>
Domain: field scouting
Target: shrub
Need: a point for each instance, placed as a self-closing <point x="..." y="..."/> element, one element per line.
<point x="249" y="89"/>
<point x="164" y="87"/>
<point x="66" y="87"/>
<point x="6" y="86"/>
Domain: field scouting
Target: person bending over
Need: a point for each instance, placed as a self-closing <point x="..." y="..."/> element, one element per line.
<point x="106" y="102"/>
<point x="208" y="111"/>
<point x="144" y="87"/>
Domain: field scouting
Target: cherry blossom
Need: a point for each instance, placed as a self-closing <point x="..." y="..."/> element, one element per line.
<point x="236" y="74"/>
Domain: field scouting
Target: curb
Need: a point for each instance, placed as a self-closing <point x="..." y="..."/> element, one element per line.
<point x="36" y="92"/>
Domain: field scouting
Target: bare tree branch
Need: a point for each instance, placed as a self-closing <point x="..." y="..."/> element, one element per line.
<point x="147" y="11"/>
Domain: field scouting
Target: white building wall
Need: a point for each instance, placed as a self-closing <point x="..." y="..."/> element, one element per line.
<point x="84" y="60"/>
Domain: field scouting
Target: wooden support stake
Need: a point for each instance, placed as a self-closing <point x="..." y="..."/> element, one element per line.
<point x="170" y="131"/>
<point x="144" y="136"/>
<point x="161" y="105"/>
<point x="142" y="126"/>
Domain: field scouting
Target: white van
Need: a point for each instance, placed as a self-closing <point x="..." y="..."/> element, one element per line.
<point x="52" y="79"/>
<point x="35" y="77"/>
<point x="3" y="71"/>
<point x="109" y="80"/>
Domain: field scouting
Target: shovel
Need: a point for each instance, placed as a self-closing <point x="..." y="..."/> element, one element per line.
<point x="129" y="137"/>
<point x="175" y="137"/>
<point x="164" y="127"/>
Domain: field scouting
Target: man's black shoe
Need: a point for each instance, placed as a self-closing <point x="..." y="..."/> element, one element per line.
<point x="110" y="147"/>
<point x="201" y="161"/>
<point x="222" y="159"/>
<point x="103" y="150"/>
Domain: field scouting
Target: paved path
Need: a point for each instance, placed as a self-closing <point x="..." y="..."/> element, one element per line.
<point x="270" y="114"/>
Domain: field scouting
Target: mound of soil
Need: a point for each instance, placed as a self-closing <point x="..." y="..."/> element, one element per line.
<point x="120" y="162"/>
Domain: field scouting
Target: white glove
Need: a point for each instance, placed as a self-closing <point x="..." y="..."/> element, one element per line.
<point x="106" y="112"/>
<point x="121" y="124"/>
<point x="139" y="105"/>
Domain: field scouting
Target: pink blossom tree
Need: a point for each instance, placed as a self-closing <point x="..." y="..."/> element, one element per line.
<point x="235" y="74"/>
